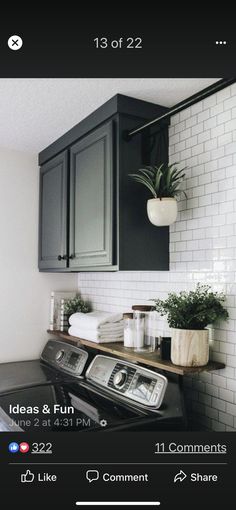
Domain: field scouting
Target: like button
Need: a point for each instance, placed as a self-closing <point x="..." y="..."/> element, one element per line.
<point x="27" y="477"/>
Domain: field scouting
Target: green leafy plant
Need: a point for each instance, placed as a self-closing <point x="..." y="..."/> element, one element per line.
<point x="193" y="310"/>
<point x="162" y="181"/>
<point x="76" y="304"/>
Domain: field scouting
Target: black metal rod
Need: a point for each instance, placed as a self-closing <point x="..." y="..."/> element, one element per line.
<point x="208" y="91"/>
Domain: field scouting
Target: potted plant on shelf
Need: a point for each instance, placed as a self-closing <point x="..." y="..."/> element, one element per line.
<point x="188" y="315"/>
<point x="74" y="305"/>
<point x="164" y="184"/>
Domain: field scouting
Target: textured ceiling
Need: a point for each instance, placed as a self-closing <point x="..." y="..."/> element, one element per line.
<point x="35" y="112"/>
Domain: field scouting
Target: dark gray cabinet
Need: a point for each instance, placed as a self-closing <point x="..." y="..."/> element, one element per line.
<point x="53" y="235"/>
<point x="91" y="200"/>
<point x="92" y="215"/>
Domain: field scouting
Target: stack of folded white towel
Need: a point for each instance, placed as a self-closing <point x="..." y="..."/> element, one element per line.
<point x="99" y="327"/>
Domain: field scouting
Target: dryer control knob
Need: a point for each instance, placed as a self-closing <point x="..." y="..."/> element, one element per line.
<point x="120" y="378"/>
<point x="60" y="355"/>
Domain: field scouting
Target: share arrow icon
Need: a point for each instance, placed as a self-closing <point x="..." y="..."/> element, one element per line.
<point x="180" y="477"/>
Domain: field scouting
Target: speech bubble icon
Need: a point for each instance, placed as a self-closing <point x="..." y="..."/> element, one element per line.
<point x="92" y="475"/>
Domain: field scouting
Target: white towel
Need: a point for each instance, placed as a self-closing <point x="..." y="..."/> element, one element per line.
<point x="110" y="327"/>
<point x="94" y="333"/>
<point x="93" y="320"/>
<point x="95" y="336"/>
<point x="104" y="329"/>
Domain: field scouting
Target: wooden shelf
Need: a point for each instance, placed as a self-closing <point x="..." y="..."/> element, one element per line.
<point x="151" y="359"/>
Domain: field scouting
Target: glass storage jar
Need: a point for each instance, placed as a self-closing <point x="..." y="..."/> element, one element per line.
<point x="144" y="335"/>
<point x="128" y="330"/>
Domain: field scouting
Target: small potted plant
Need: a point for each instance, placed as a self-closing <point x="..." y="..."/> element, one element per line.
<point x="164" y="184"/>
<point x="188" y="315"/>
<point x="76" y="304"/>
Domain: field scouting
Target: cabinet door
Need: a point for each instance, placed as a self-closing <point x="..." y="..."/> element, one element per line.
<point x="91" y="190"/>
<point x="53" y="213"/>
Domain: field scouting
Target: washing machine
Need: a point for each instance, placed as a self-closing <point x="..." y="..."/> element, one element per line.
<point x="72" y="389"/>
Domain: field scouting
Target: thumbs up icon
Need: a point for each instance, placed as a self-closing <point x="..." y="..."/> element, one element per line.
<point x="27" y="477"/>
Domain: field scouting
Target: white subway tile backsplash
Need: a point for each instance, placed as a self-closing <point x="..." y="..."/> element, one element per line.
<point x="212" y="389"/>
<point x="191" y="121"/>
<point x="217" y="153"/>
<point x="198" y="191"/>
<point x="185" y="154"/>
<point x="218" y="404"/>
<point x="218" y="130"/>
<point x="190" y="142"/>
<point x="179" y="146"/>
<point x="218" y="426"/>
<point x="218" y="220"/>
<point x="196" y="108"/>
<point x="218" y="175"/>
<point x="231" y="409"/>
<point x="231" y="384"/>
<point x="227" y="160"/>
<point x="230" y="148"/>
<point x="215" y="110"/>
<point x="185" y="134"/>
<point x="185" y="114"/>
<point x="226" y="395"/>
<point x="223" y="117"/>
<point x="204" y="178"/>
<point x="211" y="412"/>
<point x="230" y="103"/>
<point x="210" y="144"/>
<point x="197" y="128"/>
<point x="226" y="418"/>
<point x="203" y="115"/>
<point x="211" y="188"/>
<point x="218" y="197"/>
<point x="225" y="139"/>
<point x="222" y="95"/>
<point x="205" y="199"/>
<point x="204" y="157"/>
<point x="226" y="207"/>
<point x="197" y="149"/>
<point x="210" y="123"/>
<point x="202" y="248"/>
<point x="180" y="126"/>
<point x="230" y="125"/>
<point x="175" y="119"/>
<point x="209" y="101"/>
<point x="174" y="139"/>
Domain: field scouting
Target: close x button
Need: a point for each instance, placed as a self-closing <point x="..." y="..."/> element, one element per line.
<point x="15" y="42"/>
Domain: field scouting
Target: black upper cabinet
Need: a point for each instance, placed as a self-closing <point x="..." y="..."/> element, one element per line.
<point x="92" y="215"/>
<point x="91" y="200"/>
<point x="53" y="213"/>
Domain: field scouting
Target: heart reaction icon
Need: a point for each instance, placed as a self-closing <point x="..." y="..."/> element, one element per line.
<point x="24" y="447"/>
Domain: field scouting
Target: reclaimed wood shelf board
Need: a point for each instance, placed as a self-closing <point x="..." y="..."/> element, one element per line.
<point x="151" y="359"/>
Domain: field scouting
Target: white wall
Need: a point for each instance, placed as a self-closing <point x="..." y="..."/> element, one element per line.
<point x="24" y="292"/>
<point x="202" y="246"/>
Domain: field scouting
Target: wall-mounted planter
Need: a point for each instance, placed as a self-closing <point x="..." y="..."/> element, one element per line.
<point x="190" y="347"/>
<point x="162" y="212"/>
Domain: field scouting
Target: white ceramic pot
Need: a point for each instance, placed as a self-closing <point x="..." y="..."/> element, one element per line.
<point x="189" y="347"/>
<point x="162" y="212"/>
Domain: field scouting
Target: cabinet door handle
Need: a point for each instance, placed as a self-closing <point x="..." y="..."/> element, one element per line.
<point x="62" y="257"/>
<point x="71" y="257"/>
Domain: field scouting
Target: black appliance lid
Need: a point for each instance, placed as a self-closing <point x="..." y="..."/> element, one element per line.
<point x="24" y="374"/>
<point x="89" y="410"/>
<point x="78" y="406"/>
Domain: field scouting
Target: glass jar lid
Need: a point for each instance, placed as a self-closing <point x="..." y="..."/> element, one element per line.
<point x="143" y="308"/>
<point x="128" y="315"/>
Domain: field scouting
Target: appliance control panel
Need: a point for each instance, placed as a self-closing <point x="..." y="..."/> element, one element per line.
<point x="132" y="382"/>
<point x="66" y="357"/>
